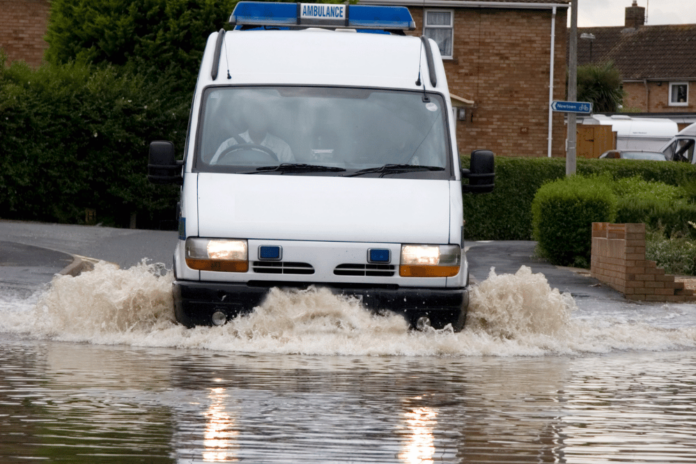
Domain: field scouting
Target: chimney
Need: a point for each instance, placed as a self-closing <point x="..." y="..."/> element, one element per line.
<point x="635" y="16"/>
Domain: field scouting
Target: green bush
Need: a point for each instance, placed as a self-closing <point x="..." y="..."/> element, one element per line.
<point x="506" y="214"/>
<point x="635" y="188"/>
<point x="675" y="253"/>
<point x="74" y="137"/>
<point x="563" y="212"/>
<point x="672" y="216"/>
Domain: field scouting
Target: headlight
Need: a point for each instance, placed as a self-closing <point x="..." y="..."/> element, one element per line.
<point x="430" y="260"/>
<point x="217" y="255"/>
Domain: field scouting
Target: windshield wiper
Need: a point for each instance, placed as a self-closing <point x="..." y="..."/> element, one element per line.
<point x="395" y="169"/>
<point x="295" y="167"/>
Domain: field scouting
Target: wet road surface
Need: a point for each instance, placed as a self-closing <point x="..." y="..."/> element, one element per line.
<point x="125" y="247"/>
<point x="92" y="369"/>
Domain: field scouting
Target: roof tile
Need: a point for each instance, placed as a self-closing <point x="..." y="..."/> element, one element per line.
<point x="649" y="52"/>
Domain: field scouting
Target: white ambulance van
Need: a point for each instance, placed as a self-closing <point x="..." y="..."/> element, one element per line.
<point x="321" y="152"/>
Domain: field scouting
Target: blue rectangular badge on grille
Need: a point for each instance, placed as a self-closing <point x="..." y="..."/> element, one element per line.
<point x="378" y="256"/>
<point x="269" y="252"/>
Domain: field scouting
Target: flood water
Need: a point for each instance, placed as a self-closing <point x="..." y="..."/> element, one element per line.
<point x="93" y="369"/>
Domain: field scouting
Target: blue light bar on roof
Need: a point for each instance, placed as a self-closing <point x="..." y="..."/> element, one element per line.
<point x="322" y="14"/>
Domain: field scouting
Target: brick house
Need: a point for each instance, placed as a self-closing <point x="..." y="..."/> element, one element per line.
<point x="23" y="25"/>
<point x="497" y="55"/>
<point x="657" y="63"/>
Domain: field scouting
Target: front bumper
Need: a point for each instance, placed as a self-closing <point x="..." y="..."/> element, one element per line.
<point x="195" y="302"/>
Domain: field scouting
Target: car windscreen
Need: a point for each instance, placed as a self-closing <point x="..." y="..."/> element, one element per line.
<point x="347" y="130"/>
<point x="637" y="155"/>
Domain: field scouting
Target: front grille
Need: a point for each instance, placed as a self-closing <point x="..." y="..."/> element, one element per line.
<point x="369" y="270"/>
<point x="279" y="267"/>
<point x="340" y="287"/>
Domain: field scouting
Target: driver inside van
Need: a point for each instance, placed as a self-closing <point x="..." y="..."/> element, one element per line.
<point x="257" y="117"/>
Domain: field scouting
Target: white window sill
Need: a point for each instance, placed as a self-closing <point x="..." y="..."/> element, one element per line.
<point x="679" y="104"/>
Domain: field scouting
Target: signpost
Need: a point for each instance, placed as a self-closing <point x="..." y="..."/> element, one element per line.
<point x="572" y="107"/>
<point x="572" y="86"/>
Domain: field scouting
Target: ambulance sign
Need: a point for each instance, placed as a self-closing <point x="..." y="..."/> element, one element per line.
<point x="316" y="11"/>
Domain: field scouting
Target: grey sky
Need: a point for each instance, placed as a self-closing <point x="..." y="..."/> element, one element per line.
<point x="611" y="12"/>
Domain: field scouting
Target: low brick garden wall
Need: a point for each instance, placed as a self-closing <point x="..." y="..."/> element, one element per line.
<point x="618" y="259"/>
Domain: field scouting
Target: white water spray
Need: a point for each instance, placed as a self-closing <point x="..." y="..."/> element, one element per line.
<point x="509" y="315"/>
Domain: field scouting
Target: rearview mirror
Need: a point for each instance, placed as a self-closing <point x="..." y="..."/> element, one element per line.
<point x="163" y="168"/>
<point x="481" y="174"/>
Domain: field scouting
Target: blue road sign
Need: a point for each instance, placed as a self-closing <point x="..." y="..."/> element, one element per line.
<point x="571" y="107"/>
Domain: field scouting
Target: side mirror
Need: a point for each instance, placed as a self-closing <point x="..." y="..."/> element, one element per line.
<point x="163" y="168"/>
<point x="481" y="174"/>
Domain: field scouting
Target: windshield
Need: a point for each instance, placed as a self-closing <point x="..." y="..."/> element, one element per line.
<point x="250" y="130"/>
<point x="637" y="155"/>
<point x="681" y="150"/>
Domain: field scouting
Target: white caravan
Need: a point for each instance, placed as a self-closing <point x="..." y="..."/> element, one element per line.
<point x="321" y="151"/>
<point x="646" y="134"/>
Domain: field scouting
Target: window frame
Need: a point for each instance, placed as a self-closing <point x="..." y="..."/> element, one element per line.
<point x="451" y="26"/>
<point x="673" y="103"/>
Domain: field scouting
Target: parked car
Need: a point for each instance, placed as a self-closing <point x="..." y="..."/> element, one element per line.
<point x="634" y="155"/>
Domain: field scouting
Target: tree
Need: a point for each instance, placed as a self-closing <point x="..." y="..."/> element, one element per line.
<point x="147" y="35"/>
<point x="601" y="84"/>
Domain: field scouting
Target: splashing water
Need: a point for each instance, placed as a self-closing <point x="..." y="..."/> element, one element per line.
<point x="509" y="315"/>
<point x="521" y="304"/>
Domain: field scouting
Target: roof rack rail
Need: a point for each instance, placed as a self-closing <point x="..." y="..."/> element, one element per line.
<point x="216" y="55"/>
<point x="431" y="61"/>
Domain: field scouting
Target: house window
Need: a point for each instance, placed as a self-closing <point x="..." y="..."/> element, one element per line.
<point x="678" y="93"/>
<point x="439" y="26"/>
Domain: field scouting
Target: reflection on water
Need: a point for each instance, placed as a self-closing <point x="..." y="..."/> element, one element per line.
<point x="220" y="435"/>
<point x="421" y="443"/>
<point x="164" y="405"/>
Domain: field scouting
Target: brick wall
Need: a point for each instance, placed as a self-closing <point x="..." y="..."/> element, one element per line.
<point x="501" y="61"/>
<point x="618" y="259"/>
<point x="637" y="97"/>
<point x="23" y="25"/>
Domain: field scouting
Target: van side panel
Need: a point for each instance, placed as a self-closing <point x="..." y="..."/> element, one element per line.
<point x="456" y="222"/>
<point x="189" y="214"/>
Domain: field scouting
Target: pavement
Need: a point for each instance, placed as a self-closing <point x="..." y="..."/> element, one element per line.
<point x="32" y="253"/>
<point x="124" y="247"/>
<point x="506" y="257"/>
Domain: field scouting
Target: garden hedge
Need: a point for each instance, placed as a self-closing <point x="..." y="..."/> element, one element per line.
<point x="506" y="214"/>
<point x="672" y="216"/>
<point x="563" y="212"/>
<point x="74" y="137"/>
